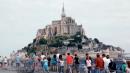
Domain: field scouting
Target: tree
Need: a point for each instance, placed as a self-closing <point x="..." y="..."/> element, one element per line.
<point x="57" y="41"/>
<point x="96" y="40"/>
<point x="77" y="37"/>
<point x="79" y="46"/>
<point x="85" y="37"/>
<point x="29" y="44"/>
<point x="42" y="41"/>
<point x="71" y="44"/>
<point x="34" y="40"/>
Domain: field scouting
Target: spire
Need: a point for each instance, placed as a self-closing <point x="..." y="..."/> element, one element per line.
<point x="63" y="11"/>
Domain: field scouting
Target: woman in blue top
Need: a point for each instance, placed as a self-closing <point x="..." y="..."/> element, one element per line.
<point x="45" y="65"/>
<point x="54" y="63"/>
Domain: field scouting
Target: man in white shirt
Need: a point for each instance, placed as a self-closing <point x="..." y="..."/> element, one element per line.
<point x="42" y="56"/>
<point x="106" y="62"/>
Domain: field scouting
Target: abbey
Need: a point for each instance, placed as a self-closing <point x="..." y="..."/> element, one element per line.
<point x="66" y="26"/>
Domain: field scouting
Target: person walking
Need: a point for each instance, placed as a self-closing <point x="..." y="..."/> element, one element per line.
<point x="29" y="64"/>
<point x="83" y="66"/>
<point x="26" y="59"/>
<point x="54" y="63"/>
<point x="99" y="64"/>
<point x="49" y="61"/>
<point x="124" y="67"/>
<point x="69" y="61"/>
<point x="112" y="66"/>
<point x="61" y="64"/>
<point x="89" y="64"/>
<point x="76" y="63"/>
<point x="42" y="56"/>
<point x="18" y="61"/>
<point x="45" y="65"/>
<point x="106" y="62"/>
<point x="12" y="58"/>
<point x="37" y="64"/>
<point x="5" y="62"/>
<point x="128" y="68"/>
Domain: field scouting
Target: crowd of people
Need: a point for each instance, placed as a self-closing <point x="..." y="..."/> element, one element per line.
<point x="67" y="63"/>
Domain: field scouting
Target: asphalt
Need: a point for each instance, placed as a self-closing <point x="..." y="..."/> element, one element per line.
<point x="13" y="71"/>
<point x="7" y="71"/>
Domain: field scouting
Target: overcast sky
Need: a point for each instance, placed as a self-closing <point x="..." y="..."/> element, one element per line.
<point x="107" y="20"/>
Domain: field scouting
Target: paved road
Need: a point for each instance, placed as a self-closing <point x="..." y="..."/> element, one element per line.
<point x="10" y="71"/>
<point x="6" y="71"/>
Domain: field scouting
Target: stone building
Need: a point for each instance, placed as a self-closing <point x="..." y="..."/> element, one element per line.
<point x="66" y="26"/>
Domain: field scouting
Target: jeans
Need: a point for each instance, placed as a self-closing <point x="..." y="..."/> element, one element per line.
<point x="99" y="71"/>
<point x="69" y="68"/>
<point x="77" y="67"/>
<point x="61" y="69"/>
<point x="107" y="71"/>
<point x="17" y="65"/>
<point x="89" y="69"/>
<point x="83" y="68"/>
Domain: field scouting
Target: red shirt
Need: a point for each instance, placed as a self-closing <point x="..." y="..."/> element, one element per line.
<point x="99" y="63"/>
<point x="69" y="60"/>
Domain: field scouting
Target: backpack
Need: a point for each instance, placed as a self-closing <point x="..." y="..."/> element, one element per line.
<point x="76" y="60"/>
<point x="112" y="66"/>
<point x="124" y="67"/>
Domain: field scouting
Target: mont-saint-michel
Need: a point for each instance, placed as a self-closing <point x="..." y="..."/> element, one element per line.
<point x="86" y="36"/>
<point x="63" y="34"/>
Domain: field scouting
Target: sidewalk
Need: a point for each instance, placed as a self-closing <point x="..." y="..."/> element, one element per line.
<point x="7" y="71"/>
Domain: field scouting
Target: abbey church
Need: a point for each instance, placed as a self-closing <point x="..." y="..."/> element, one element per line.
<point x="66" y="26"/>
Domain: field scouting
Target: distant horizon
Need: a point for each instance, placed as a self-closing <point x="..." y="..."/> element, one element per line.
<point x="106" y="20"/>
